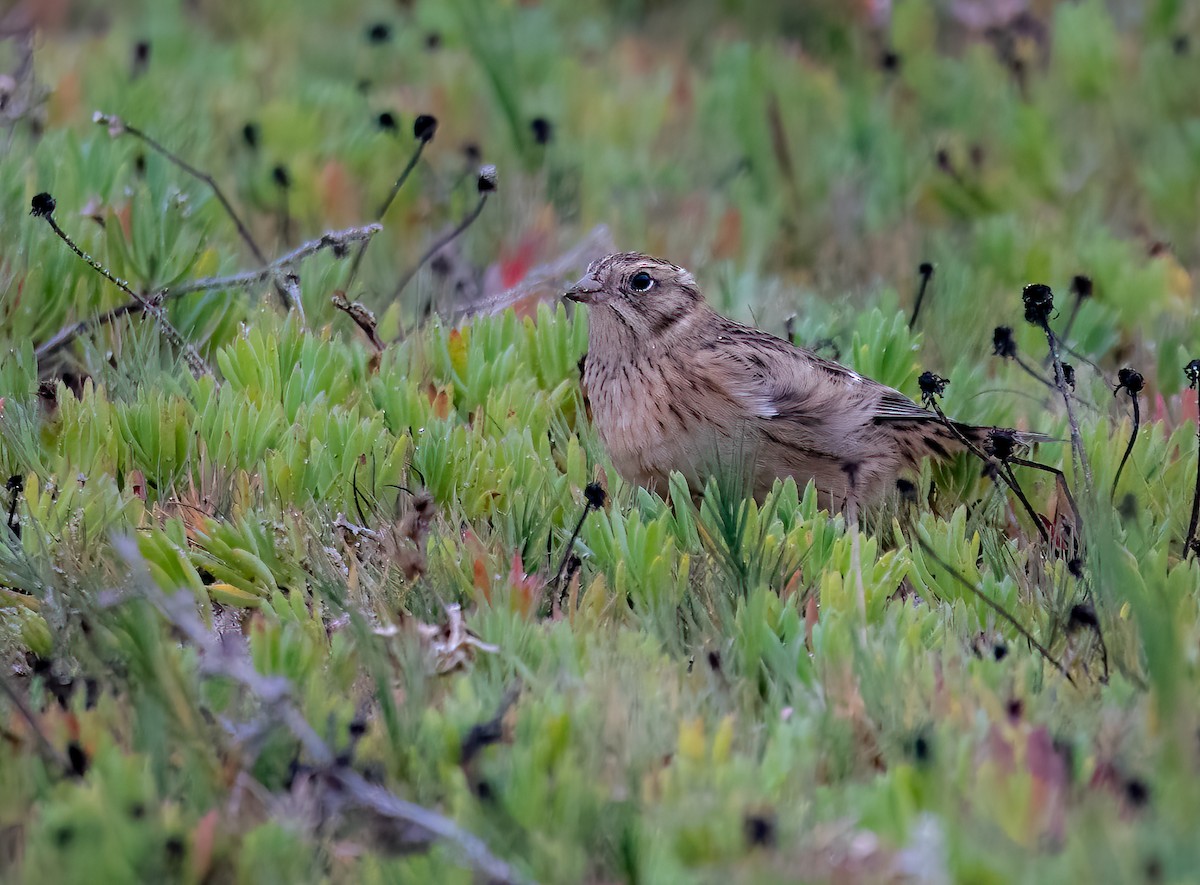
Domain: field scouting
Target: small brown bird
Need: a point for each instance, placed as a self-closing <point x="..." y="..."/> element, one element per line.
<point x="674" y="385"/>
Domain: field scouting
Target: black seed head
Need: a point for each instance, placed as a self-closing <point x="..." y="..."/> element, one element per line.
<point x="433" y="41"/>
<point x="1068" y="372"/>
<point x="890" y="61"/>
<point x="386" y="121"/>
<point x="472" y="152"/>
<point x="1081" y="286"/>
<point x="358" y="728"/>
<point x="1075" y="567"/>
<point x="999" y="651"/>
<point x="1137" y="791"/>
<point x="251" y="135"/>
<point x="141" y="55"/>
<point x="1082" y="615"/>
<point x="714" y="661"/>
<point x="759" y="830"/>
<point x="380" y="32"/>
<point x="542" y="129"/>
<point x="281" y="177"/>
<point x="1039" y="304"/>
<point x="1002" y="443"/>
<point x="943" y="161"/>
<point x="925" y="269"/>
<point x="1192" y="372"/>
<point x="1003" y="344"/>
<point x="922" y="747"/>
<point x="932" y="386"/>
<point x="487" y="179"/>
<point x="1015" y="708"/>
<point x="42" y="206"/>
<point x="595" y="495"/>
<point x="78" y="759"/>
<point x="1181" y="44"/>
<point x="174" y="847"/>
<point x="424" y="127"/>
<point x="1131" y="381"/>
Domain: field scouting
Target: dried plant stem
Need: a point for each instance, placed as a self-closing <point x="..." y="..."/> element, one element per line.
<point x="345" y="787"/>
<point x="1137" y="421"/>
<point x="336" y="240"/>
<point x="190" y="354"/>
<point x="1190" y="545"/>
<point x="440" y="244"/>
<point x="48" y="749"/>
<point x="1032" y="372"/>
<point x="926" y="271"/>
<point x="118" y="125"/>
<point x="594" y="498"/>
<point x="1061" y="383"/>
<point x="387" y="204"/>
<point x="288" y="295"/>
<point x="1059" y="478"/>
<point x="999" y="468"/>
<point x="998" y="608"/>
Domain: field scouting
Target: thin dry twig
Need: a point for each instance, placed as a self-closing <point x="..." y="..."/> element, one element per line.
<point x="1190" y="545"/>
<point x="338" y="241"/>
<point x="998" y="608"/>
<point x="117" y="126"/>
<point x="49" y="751"/>
<point x="424" y="128"/>
<point x="288" y="293"/>
<point x="1132" y="383"/>
<point x="43" y="207"/>
<point x="1039" y="304"/>
<point x="485" y="185"/>
<point x="348" y="787"/>
<point x="931" y="387"/>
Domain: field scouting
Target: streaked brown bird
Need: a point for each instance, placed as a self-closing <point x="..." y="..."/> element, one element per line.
<point x="674" y="385"/>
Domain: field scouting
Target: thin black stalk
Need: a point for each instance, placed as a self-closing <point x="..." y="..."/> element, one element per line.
<point x="1190" y="545"/>
<point x="387" y="204"/>
<point x="998" y="608"/>
<point x="996" y="466"/>
<point x="338" y="241"/>
<point x="403" y="177"/>
<point x="43" y="207"/>
<point x="594" y="497"/>
<point x="926" y="272"/>
<point x="1032" y="372"/>
<point x="1081" y="288"/>
<point x="1131" y="382"/>
<point x="117" y="126"/>
<point x="1005" y="347"/>
<point x="440" y="244"/>
<point x="1060" y="479"/>
<point x="48" y="750"/>
<point x="1039" y="305"/>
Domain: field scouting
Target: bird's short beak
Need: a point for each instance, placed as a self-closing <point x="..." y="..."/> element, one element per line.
<point x="583" y="290"/>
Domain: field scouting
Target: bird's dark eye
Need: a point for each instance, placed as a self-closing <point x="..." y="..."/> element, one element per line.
<point x="641" y="281"/>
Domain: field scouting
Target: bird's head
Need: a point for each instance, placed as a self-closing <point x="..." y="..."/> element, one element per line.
<point x="648" y="295"/>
